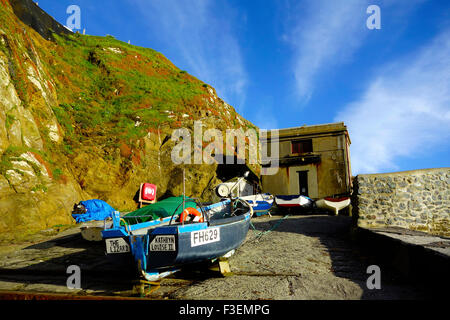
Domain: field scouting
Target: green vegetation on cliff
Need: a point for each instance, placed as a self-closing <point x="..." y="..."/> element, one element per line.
<point x="92" y="117"/>
<point x="116" y="92"/>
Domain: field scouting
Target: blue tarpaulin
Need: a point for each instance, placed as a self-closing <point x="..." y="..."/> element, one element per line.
<point x="96" y="210"/>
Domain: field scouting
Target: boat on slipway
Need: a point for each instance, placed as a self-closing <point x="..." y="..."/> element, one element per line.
<point x="164" y="236"/>
<point x="261" y="203"/>
<point x="294" y="201"/>
<point x="333" y="204"/>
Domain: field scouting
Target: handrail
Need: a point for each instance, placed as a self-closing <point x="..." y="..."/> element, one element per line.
<point x="202" y="209"/>
<point x="126" y="225"/>
<point x="170" y="222"/>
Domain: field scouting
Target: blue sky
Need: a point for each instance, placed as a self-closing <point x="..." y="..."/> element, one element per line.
<point x="285" y="63"/>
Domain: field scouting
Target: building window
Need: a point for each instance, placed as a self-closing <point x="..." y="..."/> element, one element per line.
<point x="301" y="146"/>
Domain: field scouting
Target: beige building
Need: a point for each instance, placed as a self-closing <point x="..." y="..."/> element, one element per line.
<point x="313" y="161"/>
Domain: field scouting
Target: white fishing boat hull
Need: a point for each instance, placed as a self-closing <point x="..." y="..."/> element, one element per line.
<point x="298" y="201"/>
<point x="333" y="206"/>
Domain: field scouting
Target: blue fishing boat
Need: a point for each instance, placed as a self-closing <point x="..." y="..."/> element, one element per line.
<point x="261" y="203"/>
<point x="160" y="244"/>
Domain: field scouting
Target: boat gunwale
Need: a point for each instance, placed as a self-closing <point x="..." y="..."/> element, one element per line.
<point x="154" y="224"/>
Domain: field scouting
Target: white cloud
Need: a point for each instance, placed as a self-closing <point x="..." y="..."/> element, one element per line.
<point x="405" y="111"/>
<point x="323" y="34"/>
<point x="204" y="40"/>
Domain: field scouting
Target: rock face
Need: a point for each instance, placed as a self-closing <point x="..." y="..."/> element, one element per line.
<point x="416" y="200"/>
<point x="85" y="117"/>
<point x="30" y="13"/>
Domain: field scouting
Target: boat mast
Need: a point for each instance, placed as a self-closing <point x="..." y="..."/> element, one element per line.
<point x="184" y="192"/>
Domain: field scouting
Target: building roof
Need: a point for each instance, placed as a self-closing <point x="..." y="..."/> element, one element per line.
<point x="316" y="128"/>
<point x="305" y="130"/>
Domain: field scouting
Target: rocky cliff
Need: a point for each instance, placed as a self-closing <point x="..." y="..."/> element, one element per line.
<point x="85" y="117"/>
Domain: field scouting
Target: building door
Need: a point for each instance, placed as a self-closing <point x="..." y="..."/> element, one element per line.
<point x="303" y="182"/>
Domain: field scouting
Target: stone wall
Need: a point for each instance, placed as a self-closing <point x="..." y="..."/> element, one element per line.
<point x="416" y="200"/>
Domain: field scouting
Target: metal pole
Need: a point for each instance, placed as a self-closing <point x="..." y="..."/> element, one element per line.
<point x="184" y="192"/>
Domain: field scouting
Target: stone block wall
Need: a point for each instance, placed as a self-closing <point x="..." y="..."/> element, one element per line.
<point x="416" y="200"/>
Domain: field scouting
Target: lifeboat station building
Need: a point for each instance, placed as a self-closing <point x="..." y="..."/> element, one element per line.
<point x="312" y="160"/>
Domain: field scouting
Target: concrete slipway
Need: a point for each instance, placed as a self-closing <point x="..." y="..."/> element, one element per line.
<point x="299" y="257"/>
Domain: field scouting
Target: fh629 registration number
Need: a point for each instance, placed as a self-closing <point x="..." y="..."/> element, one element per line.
<point x="202" y="237"/>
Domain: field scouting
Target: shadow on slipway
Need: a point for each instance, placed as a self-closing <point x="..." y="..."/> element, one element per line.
<point x="351" y="253"/>
<point x="101" y="274"/>
<point x="98" y="272"/>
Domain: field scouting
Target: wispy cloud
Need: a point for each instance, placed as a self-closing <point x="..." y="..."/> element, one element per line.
<point x="325" y="34"/>
<point x="405" y="110"/>
<point x="322" y="34"/>
<point x="206" y="44"/>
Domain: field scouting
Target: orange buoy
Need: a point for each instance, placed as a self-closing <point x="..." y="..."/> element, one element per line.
<point x="192" y="213"/>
